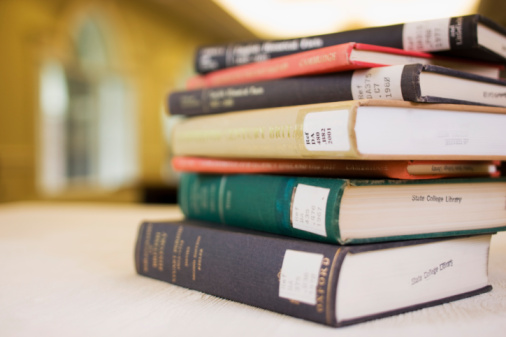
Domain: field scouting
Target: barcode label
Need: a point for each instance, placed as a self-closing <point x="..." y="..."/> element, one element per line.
<point x="309" y="209"/>
<point x="326" y="131"/>
<point x="377" y="83"/>
<point x="299" y="276"/>
<point x="431" y="35"/>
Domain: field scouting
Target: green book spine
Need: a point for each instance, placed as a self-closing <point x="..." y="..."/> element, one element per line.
<point x="262" y="202"/>
<point x="309" y="207"/>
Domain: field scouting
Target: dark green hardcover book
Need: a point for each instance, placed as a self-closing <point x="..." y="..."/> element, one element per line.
<point x="346" y="211"/>
<point x="320" y="282"/>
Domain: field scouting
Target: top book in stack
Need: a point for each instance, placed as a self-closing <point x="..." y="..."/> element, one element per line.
<point x="471" y="36"/>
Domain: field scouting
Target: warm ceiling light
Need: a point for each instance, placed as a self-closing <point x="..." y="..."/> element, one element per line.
<point x="293" y="18"/>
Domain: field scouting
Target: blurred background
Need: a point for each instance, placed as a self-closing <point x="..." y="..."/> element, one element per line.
<point x="84" y="83"/>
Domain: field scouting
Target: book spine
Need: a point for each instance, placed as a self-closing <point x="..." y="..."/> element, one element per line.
<point x="212" y="58"/>
<point x="266" y="94"/>
<point x="398" y="82"/>
<point x="323" y="60"/>
<point x="463" y="33"/>
<point x="246" y="268"/>
<point x="453" y="36"/>
<point x="308" y="131"/>
<point x="366" y="169"/>
<point x="410" y="83"/>
<point x="403" y="82"/>
<point x="302" y="207"/>
<point x="488" y="91"/>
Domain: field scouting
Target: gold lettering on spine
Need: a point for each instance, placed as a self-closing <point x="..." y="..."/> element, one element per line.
<point x="244" y="75"/>
<point x="147" y="248"/>
<point x="177" y="239"/>
<point x="157" y="251"/>
<point x="199" y="263"/>
<point x="321" y="289"/>
<point x="330" y="313"/>
<point x="234" y="134"/>
<point x="187" y="257"/>
<point x="244" y="133"/>
<point x="156" y="245"/>
<point x="318" y="59"/>
<point x="282" y="131"/>
<point x="161" y="251"/>
<point x="195" y="257"/>
<point x="176" y="259"/>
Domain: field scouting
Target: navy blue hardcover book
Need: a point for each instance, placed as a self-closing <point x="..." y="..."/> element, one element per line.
<point x="413" y="82"/>
<point x="325" y="283"/>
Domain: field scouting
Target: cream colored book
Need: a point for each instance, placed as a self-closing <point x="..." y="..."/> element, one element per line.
<point x="360" y="129"/>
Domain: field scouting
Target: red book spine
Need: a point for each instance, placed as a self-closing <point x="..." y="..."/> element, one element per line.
<point x="323" y="60"/>
<point x="335" y="168"/>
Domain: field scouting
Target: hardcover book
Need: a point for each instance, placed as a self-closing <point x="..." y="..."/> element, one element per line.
<point x="470" y="36"/>
<point x="324" y="283"/>
<point x="346" y="210"/>
<point x="414" y="82"/>
<point x="368" y="169"/>
<point x="362" y="129"/>
<point x="341" y="57"/>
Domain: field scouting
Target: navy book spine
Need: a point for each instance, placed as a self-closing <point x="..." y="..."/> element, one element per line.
<point x="265" y="94"/>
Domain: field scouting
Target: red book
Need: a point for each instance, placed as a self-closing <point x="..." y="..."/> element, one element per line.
<point x="342" y="57"/>
<point x="402" y="169"/>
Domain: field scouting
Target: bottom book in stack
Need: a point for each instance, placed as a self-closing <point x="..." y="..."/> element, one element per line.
<point x="386" y="246"/>
<point x="325" y="283"/>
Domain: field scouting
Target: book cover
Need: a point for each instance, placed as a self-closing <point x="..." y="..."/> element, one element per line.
<point x="309" y="280"/>
<point x="470" y="36"/>
<point x="336" y="58"/>
<point x="368" y="169"/>
<point x="414" y="82"/>
<point x="348" y="130"/>
<point x="346" y="211"/>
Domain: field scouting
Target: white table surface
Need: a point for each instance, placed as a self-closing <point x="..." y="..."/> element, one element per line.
<point x="68" y="270"/>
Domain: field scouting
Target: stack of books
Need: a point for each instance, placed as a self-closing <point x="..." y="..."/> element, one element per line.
<point x="352" y="181"/>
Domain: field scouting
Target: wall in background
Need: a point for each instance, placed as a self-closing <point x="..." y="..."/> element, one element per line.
<point x="149" y="47"/>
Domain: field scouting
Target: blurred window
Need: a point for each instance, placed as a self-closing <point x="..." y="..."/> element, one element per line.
<point x="88" y="129"/>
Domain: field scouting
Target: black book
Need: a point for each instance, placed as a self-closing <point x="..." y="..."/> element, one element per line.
<point x="325" y="283"/>
<point x="414" y="82"/>
<point x="471" y="36"/>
